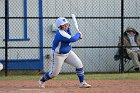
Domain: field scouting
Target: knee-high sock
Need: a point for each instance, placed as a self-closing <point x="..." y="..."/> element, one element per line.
<point x="80" y="74"/>
<point x="45" y="77"/>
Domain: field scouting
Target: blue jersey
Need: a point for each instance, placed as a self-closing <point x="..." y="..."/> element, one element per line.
<point x="62" y="40"/>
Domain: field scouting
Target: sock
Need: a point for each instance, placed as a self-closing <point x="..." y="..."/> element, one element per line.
<point x="45" y="77"/>
<point x="80" y="74"/>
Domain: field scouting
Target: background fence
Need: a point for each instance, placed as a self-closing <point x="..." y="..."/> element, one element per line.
<point x="27" y="30"/>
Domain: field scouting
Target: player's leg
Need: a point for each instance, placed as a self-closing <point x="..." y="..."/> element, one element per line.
<point x="55" y="67"/>
<point x="74" y="60"/>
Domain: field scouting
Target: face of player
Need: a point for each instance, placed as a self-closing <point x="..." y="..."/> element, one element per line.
<point x="64" y="27"/>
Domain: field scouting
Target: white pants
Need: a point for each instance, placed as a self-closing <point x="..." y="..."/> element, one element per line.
<point x="57" y="61"/>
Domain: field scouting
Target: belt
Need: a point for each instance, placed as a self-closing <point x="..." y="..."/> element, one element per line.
<point x="58" y="53"/>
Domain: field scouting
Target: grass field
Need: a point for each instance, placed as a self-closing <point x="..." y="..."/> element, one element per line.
<point x="88" y="76"/>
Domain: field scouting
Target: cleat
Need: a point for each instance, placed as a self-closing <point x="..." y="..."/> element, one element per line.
<point x="84" y="85"/>
<point x="41" y="84"/>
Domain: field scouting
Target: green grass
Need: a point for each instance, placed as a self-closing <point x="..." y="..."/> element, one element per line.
<point x="89" y="76"/>
<point x="103" y="76"/>
<point x="122" y="76"/>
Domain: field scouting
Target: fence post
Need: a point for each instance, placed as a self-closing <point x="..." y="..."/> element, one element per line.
<point x="6" y="35"/>
<point x="122" y="26"/>
<point x="41" y="34"/>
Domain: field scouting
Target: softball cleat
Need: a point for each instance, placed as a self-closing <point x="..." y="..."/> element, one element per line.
<point x="41" y="84"/>
<point x="84" y="85"/>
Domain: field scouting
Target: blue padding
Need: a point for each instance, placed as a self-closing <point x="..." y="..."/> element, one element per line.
<point x="22" y="64"/>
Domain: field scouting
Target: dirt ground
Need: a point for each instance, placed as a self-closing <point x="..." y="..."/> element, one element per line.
<point x="66" y="86"/>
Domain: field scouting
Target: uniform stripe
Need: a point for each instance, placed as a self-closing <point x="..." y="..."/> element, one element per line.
<point x="52" y="63"/>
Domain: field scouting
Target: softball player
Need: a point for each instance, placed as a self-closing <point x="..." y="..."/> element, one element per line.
<point x="62" y="52"/>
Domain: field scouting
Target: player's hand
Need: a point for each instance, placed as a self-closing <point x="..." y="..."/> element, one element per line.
<point x="81" y="35"/>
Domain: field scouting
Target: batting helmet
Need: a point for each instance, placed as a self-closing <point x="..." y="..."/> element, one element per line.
<point x="61" y="21"/>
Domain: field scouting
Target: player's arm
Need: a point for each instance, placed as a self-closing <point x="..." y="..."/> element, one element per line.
<point x="76" y="37"/>
<point x="68" y="38"/>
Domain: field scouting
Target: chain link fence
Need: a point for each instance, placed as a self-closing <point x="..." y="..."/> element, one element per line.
<point x="27" y="30"/>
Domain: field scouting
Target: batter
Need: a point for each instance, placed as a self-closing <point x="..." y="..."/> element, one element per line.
<point x="62" y="52"/>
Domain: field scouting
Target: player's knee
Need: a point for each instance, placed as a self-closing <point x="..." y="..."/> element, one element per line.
<point x="80" y="65"/>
